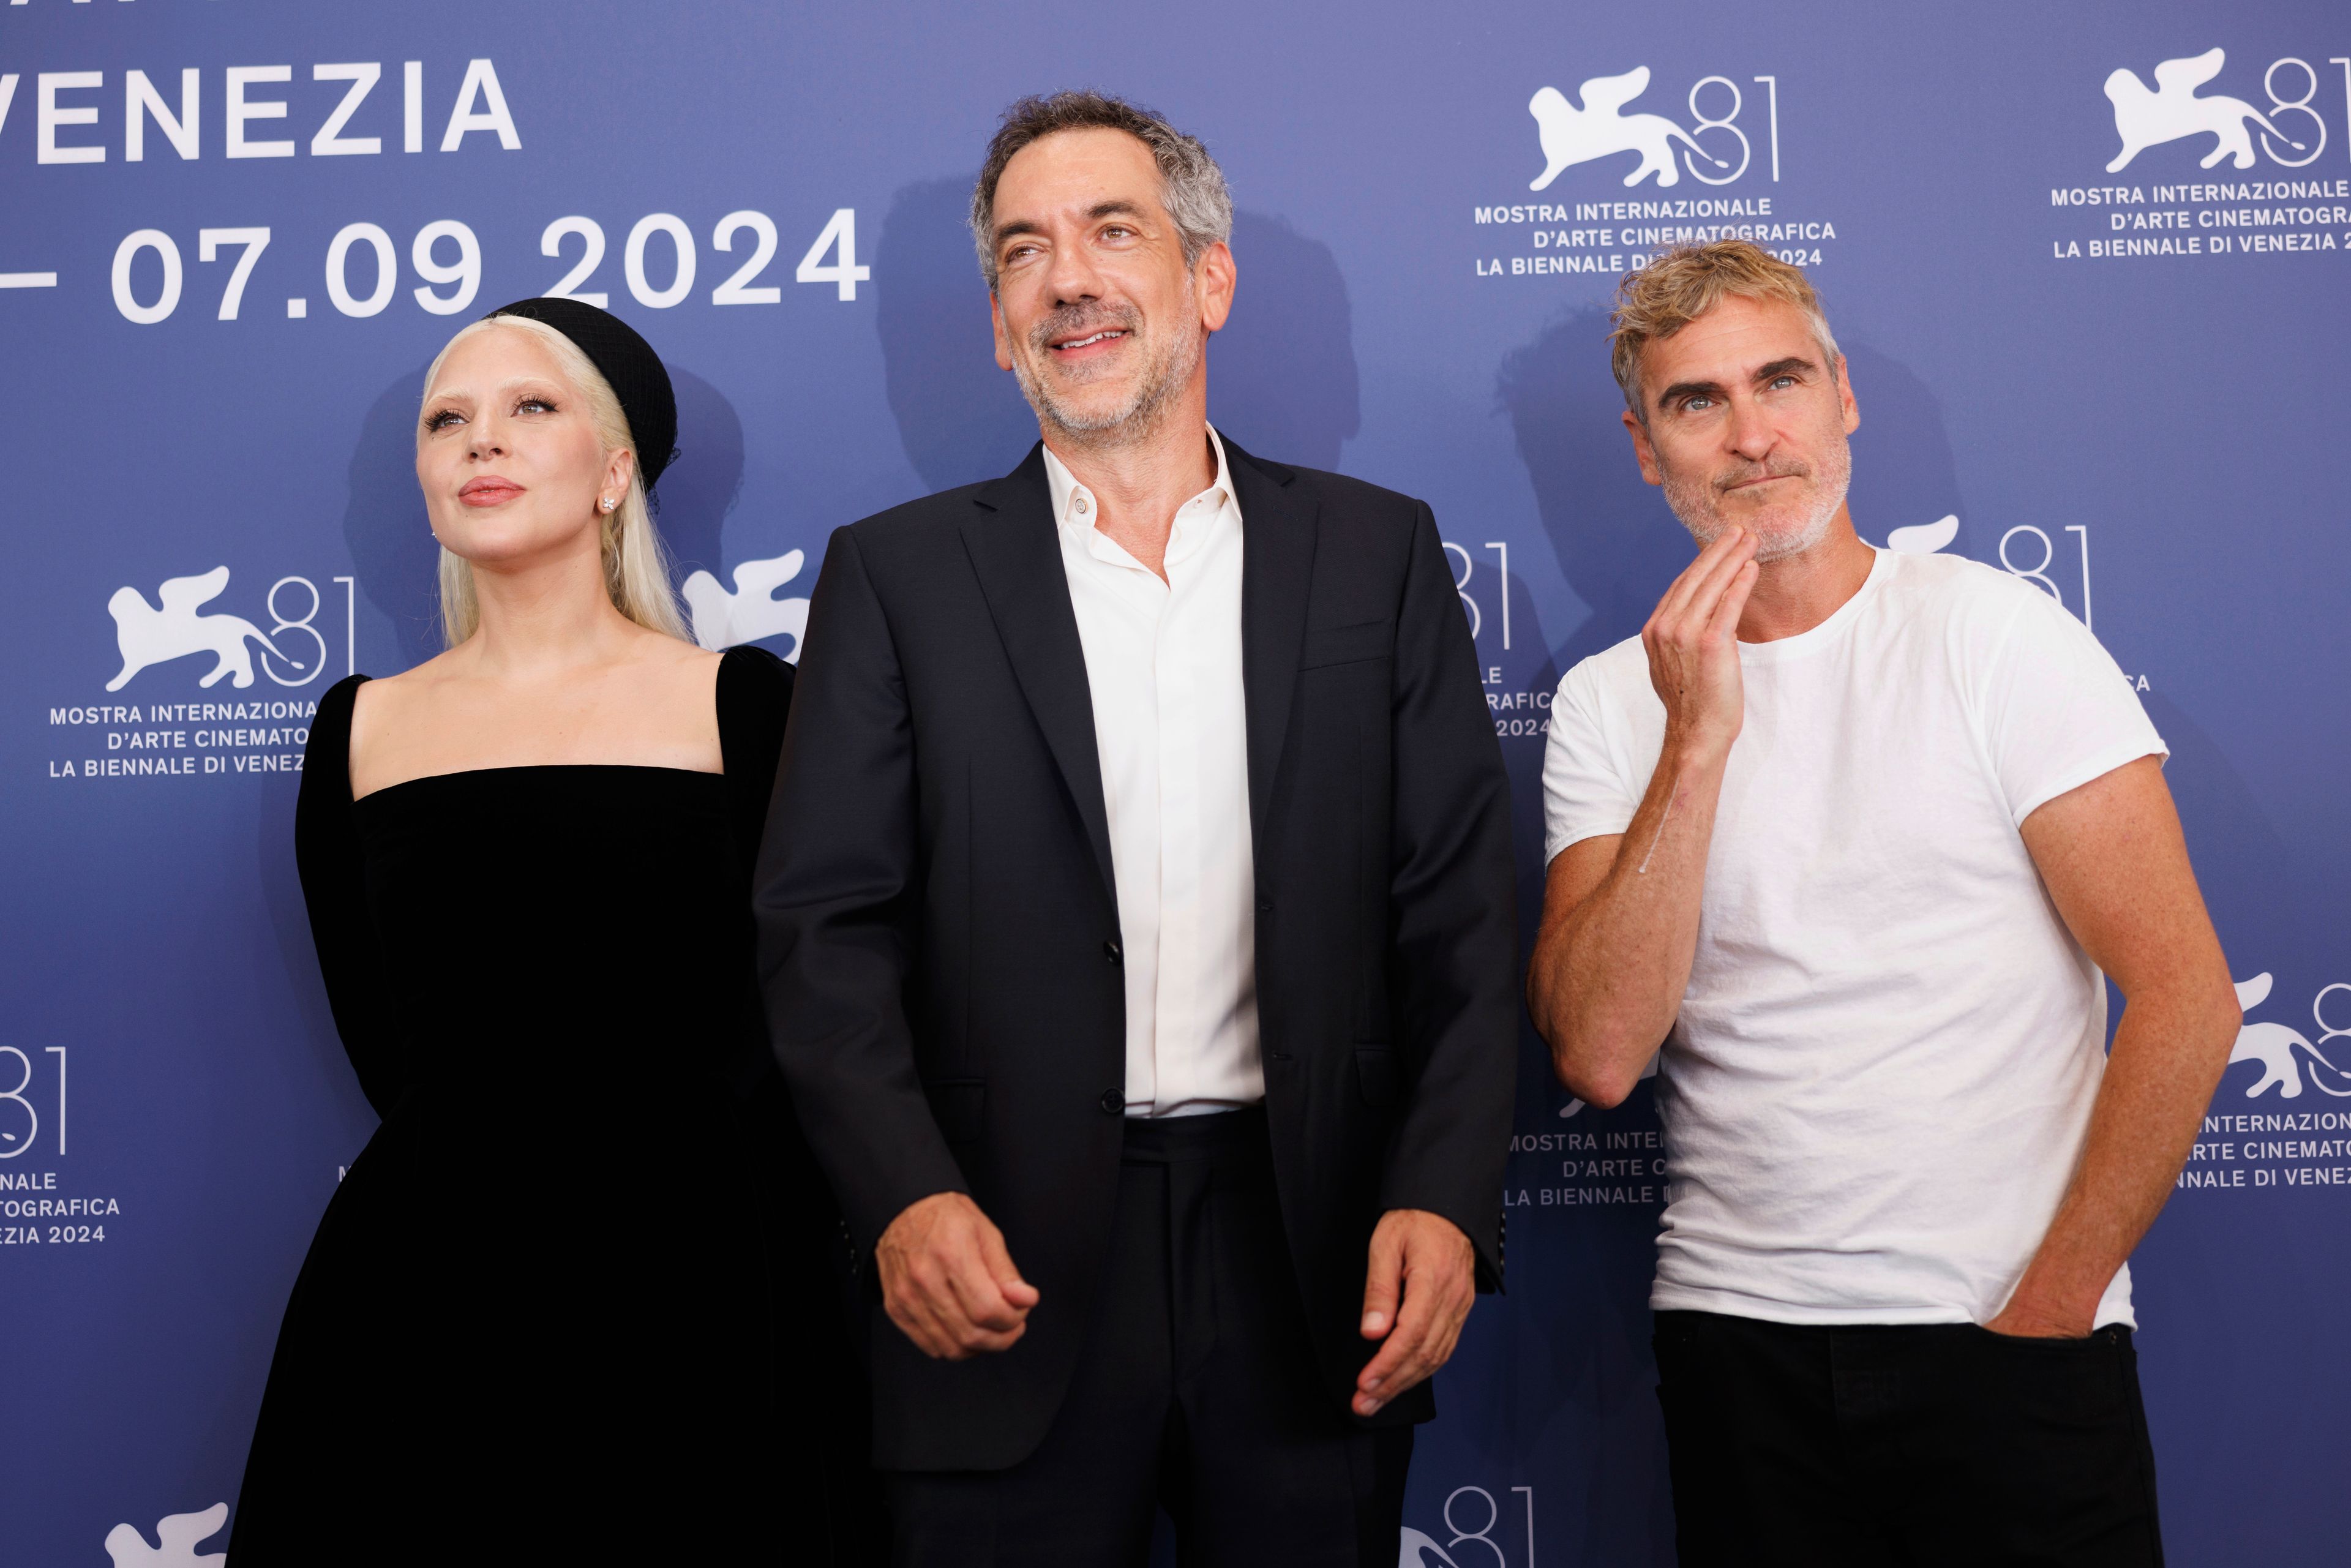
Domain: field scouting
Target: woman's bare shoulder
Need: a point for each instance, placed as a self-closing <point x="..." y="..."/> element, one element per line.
<point x="397" y="691"/>
<point x="672" y="661"/>
<point x="662" y="647"/>
<point x="390" y="707"/>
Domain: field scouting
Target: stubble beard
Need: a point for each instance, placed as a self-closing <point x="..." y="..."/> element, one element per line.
<point x="1787" y="528"/>
<point x="1165" y="376"/>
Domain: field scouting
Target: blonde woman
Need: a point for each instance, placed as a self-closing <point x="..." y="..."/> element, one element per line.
<point x="542" y="1319"/>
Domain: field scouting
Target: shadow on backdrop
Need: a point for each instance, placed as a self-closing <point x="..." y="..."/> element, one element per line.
<point x="702" y="485"/>
<point x="385" y="526"/>
<point x="1903" y="474"/>
<point x="1282" y="375"/>
<point x="1283" y="372"/>
<point x="1587" y="1349"/>
<point x="960" y="419"/>
<point x="1618" y="546"/>
<point x="2254" y="884"/>
<point x="2217" y="1289"/>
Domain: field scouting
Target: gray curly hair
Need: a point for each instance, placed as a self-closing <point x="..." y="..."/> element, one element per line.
<point x="1192" y="187"/>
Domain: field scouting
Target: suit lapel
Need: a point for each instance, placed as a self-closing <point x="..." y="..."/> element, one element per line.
<point x="1017" y="555"/>
<point x="1278" y="531"/>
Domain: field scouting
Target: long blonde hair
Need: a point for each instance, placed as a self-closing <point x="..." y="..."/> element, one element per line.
<point x="636" y="567"/>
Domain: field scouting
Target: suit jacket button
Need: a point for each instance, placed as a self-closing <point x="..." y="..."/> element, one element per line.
<point x="1110" y="952"/>
<point x="1114" y="1102"/>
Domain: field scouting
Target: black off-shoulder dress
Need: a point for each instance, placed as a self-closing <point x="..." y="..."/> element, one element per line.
<point x="581" y="1298"/>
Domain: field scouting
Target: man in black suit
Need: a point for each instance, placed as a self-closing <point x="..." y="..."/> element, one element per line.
<point x="1137" y="930"/>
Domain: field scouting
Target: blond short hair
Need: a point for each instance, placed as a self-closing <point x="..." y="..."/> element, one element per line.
<point x="636" y="567"/>
<point x="1685" y="283"/>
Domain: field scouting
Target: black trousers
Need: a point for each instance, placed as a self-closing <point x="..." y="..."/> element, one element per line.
<point x="1883" y="1445"/>
<point x="1196" y="1391"/>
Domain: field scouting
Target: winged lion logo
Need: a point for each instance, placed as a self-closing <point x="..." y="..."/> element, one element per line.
<point x="147" y="635"/>
<point x="751" y="612"/>
<point x="1571" y="135"/>
<point x="177" y="1536"/>
<point x="2273" y="1045"/>
<point x="2145" y="118"/>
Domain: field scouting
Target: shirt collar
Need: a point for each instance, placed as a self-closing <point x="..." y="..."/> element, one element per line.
<point x="1065" y="489"/>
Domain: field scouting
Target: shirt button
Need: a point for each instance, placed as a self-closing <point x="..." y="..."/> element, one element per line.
<point x="1114" y="1102"/>
<point x="1080" y="505"/>
<point x="1110" y="952"/>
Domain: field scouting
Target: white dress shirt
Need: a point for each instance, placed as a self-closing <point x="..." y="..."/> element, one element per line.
<point x="1164" y="663"/>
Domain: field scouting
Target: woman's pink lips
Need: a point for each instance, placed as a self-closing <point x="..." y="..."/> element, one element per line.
<point x="488" y="492"/>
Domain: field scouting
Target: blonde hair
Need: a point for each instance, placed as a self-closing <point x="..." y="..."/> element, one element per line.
<point x="636" y="567"/>
<point x="1685" y="283"/>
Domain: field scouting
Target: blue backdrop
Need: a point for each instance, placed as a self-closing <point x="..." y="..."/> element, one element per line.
<point x="234" y="232"/>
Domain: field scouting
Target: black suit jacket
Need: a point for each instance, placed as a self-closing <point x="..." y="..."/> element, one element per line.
<point x="940" y="939"/>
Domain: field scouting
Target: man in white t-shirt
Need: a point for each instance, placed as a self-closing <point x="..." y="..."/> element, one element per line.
<point x="1853" y="834"/>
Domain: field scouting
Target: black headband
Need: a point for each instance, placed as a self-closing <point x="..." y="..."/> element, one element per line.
<point x="627" y="361"/>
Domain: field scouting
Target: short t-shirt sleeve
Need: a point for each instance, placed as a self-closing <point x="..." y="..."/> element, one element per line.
<point x="2057" y="710"/>
<point x="1585" y="793"/>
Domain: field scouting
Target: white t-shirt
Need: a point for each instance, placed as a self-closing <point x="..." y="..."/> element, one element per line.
<point x="1883" y="1066"/>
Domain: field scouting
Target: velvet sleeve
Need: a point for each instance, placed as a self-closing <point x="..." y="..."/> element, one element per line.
<point x="334" y="887"/>
<point x="755" y="698"/>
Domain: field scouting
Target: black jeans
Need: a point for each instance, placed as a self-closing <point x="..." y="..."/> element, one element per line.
<point x="1197" y="1391"/>
<point x="1908" y="1444"/>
